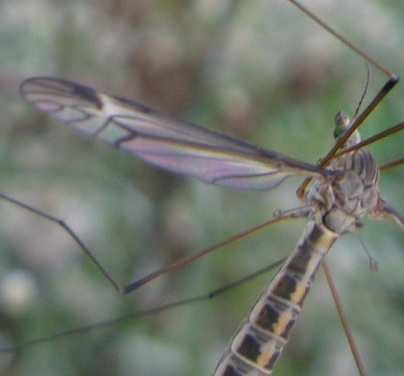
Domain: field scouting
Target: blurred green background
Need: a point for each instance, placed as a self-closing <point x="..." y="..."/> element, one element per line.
<point x="259" y="70"/>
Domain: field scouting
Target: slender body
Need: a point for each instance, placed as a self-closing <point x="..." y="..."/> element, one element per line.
<point x="337" y="205"/>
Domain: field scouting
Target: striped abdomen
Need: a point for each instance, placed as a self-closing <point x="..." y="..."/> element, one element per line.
<point x="260" y="339"/>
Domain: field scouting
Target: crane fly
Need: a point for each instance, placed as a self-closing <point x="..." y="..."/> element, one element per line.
<point x="345" y="190"/>
<point x="340" y="197"/>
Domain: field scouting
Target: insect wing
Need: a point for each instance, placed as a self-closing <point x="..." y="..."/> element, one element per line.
<point x="162" y="140"/>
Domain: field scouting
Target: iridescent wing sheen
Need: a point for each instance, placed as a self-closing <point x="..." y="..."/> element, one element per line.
<point x="162" y="140"/>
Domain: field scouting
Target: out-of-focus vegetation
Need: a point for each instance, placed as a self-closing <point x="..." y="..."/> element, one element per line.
<point x="259" y="70"/>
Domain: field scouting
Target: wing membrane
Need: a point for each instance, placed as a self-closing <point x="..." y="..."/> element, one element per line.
<point x="162" y="140"/>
